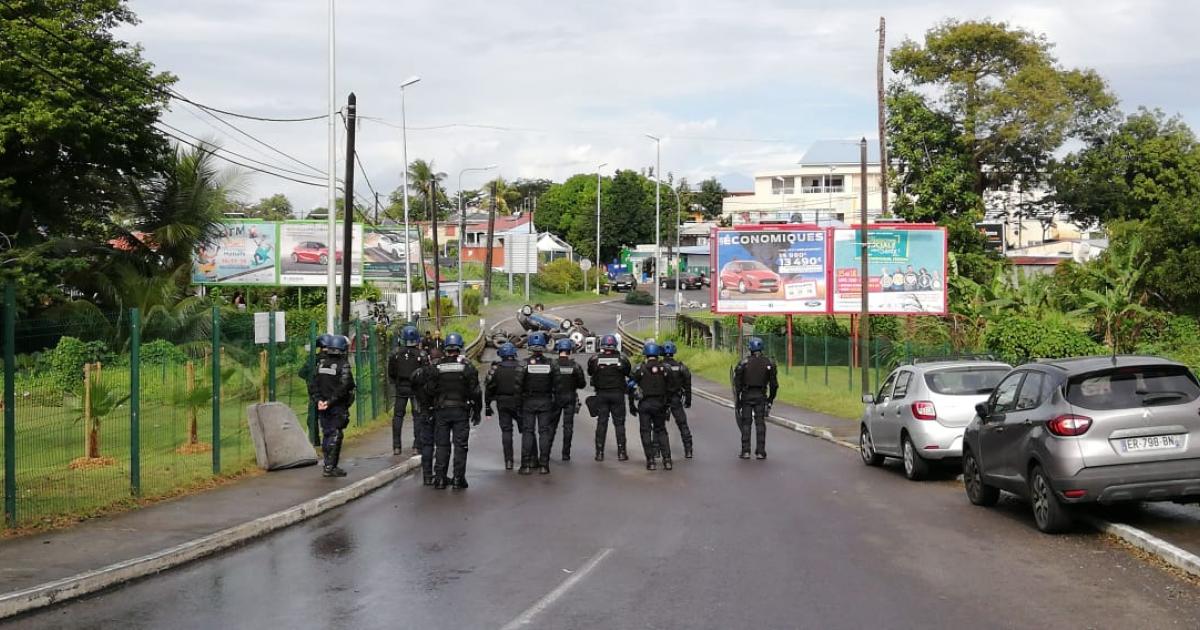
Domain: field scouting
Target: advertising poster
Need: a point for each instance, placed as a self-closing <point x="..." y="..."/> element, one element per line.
<point x="770" y="269"/>
<point x="384" y="252"/>
<point x="242" y="252"/>
<point x="907" y="271"/>
<point x="304" y="254"/>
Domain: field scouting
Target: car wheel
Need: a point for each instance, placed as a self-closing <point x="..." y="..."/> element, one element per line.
<point x="915" y="466"/>
<point x="664" y="284"/>
<point x="324" y="259"/>
<point x="741" y="286"/>
<point x="977" y="491"/>
<point x="867" y="449"/>
<point x="295" y="259"/>
<point x="1050" y="515"/>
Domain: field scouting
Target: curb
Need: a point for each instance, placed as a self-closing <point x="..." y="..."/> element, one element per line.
<point x="1175" y="556"/>
<point x="81" y="584"/>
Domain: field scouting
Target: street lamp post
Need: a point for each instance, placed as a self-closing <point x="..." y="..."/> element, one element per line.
<point x="599" y="262"/>
<point x="462" y="229"/>
<point x="331" y="232"/>
<point x="678" y="216"/>
<point x="408" y="306"/>
<point x="657" y="227"/>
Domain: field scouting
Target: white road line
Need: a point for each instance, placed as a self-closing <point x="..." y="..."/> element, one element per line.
<point x="525" y="618"/>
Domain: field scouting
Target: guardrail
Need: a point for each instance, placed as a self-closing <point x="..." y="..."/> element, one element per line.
<point x="474" y="350"/>
<point x="631" y="345"/>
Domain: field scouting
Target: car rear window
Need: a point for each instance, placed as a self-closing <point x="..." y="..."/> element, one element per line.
<point x="972" y="381"/>
<point x="1133" y="387"/>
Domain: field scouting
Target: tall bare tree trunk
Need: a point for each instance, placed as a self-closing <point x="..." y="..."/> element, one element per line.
<point x="883" y="152"/>
<point x="193" y="436"/>
<point x="487" y="258"/>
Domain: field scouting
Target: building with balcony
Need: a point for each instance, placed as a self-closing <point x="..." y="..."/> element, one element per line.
<point x="824" y="187"/>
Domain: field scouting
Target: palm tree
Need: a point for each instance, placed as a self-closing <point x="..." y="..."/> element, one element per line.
<point x="420" y="175"/>
<point x="504" y="194"/>
<point x="1122" y="295"/>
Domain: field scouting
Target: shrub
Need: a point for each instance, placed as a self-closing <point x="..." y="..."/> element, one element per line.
<point x="821" y="326"/>
<point x="162" y="351"/>
<point x="770" y="324"/>
<point x="559" y="276"/>
<point x="68" y="357"/>
<point x="472" y="299"/>
<point x="639" y="297"/>
<point x="1016" y="339"/>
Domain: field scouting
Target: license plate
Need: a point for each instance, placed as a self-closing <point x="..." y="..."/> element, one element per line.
<point x="1152" y="443"/>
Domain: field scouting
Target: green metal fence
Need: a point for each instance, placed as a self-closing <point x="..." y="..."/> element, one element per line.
<point x="103" y="409"/>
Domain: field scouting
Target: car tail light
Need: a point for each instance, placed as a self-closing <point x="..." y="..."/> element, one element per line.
<point x="1069" y="425"/>
<point x="924" y="410"/>
<point x="1075" y="494"/>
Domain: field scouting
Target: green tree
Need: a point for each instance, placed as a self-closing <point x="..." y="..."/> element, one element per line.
<point x="277" y="207"/>
<point x="504" y="195"/>
<point x="710" y="199"/>
<point x="530" y="189"/>
<point x="421" y="176"/>
<point x="1121" y="297"/>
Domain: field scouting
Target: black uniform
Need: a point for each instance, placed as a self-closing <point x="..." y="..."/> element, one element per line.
<point x="655" y="383"/>
<point x="503" y="386"/>
<point x="570" y="379"/>
<point x="457" y="400"/>
<point x="756" y="382"/>
<point x="423" y="418"/>
<point x="404" y="361"/>
<point x="680" y="399"/>
<point x="609" y="372"/>
<point x="333" y="383"/>
<point x="538" y="383"/>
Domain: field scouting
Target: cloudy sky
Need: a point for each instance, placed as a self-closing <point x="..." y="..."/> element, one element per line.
<point x="549" y="89"/>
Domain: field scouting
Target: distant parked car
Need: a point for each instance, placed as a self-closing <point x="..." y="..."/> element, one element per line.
<point x="921" y="410"/>
<point x="686" y="281"/>
<point x="393" y="245"/>
<point x="1086" y="430"/>
<point x="624" y="282"/>
<point x="749" y="275"/>
<point x="312" y="252"/>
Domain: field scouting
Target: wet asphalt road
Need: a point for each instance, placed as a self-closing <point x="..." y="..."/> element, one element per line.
<point x="809" y="538"/>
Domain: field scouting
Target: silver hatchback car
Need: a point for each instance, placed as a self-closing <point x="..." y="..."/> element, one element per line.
<point x="920" y="411"/>
<point x="1089" y="430"/>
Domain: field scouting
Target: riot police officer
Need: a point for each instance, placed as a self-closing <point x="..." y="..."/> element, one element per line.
<point x="405" y="360"/>
<point x="609" y="372"/>
<point x="538" y="384"/>
<point x="681" y="397"/>
<point x="654" y="382"/>
<point x="756" y="382"/>
<point x="570" y="379"/>
<point x="454" y="387"/>
<point x="331" y="388"/>
<point x="423" y="418"/>
<point x="503" y="386"/>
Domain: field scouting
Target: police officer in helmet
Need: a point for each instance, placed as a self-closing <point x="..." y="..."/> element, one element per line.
<point x="539" y="381"/>
<point x="609" y="372"/>
<point x="654" y="382"/>
<point x="457" y="400"/>
<point x="422" y="403"/>
<point x="331" y="389"/>
<point x="756" y="382"/>
<point x="503" y="386"/>
<point x="406" y="359"/>
<point x="681" y="398"/>
<point x="570" y="379"/>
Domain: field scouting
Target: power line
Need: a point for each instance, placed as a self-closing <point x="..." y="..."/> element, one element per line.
<point x="261" y="142"/>
<point x="593" y="132"/>
<point x="235" y="153"/>
<point x="211" y="150"/>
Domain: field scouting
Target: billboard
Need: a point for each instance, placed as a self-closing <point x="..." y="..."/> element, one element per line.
<point x="906" y="270"/>
<point x="770" y="269"/>
<point x="241" y="252"/>
<point x="304" y="254"/>
<point x="385" y="250"/>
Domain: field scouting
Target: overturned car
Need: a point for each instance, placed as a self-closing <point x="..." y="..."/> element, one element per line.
<point x="535" y="319"/>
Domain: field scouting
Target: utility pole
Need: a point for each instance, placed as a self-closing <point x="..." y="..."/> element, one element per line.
<point x="376" y="209"/>
<point x="657" y="230"/>
<point x="331" y="177"/>
<point x="487" y="257"/>
<point x="864" y="316"/>
<point x="348" y="222"/>
<point x="408" y="289"/>
<point x="883" y="152"/>
<point x="533" y="243"/>
<point x="437" y="258"/>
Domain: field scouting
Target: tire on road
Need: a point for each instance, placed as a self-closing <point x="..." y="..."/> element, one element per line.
<point x="916" y="467"/>
<point x="866" y="448"/>
<point x="978" y="492"/>
<point x="1049" y="513"/>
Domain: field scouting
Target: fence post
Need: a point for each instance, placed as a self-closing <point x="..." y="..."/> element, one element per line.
<point x="850" y="362"/>
<point x="804" y="340"/>
<point x="135" y="403"/>
<point x="826" y="338"/>
<point x="313" y="438"/>
<point x="358" y="343"/>
<point x="216" y="390"/>
<point x="10" y="411"/>
<point x="788" y="366"/>
<point x="878" y="351"/>
<point x="271" y="355"/>
<point x="374" y="373"/>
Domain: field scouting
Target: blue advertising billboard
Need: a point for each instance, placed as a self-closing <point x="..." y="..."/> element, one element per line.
<point x="239" y="252"/>
<point x="906" y="270"/>
<point x="770" y="269"/>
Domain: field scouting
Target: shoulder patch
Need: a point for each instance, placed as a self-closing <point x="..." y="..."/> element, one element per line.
<point x="537" y="368"/>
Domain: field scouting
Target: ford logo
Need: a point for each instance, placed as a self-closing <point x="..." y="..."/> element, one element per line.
<point x="812" y="304"/>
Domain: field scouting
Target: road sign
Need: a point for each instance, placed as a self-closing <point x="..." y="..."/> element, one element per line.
<point x="585" y="264"/>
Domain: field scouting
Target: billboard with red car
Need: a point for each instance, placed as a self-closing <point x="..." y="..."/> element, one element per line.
<point x="770" y="269"/>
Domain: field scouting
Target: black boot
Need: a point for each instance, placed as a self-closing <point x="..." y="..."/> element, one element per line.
<point x="667" y="465"/>
<point x="524" y="469"/>
<point x="687" y="451"/>
<point x="508" y="464"/>
<point x="599" y="452"/>
<point x="333" y="471"/>
<point x="745" y="455"/>
<point x="396" y="450"/>
<point x="439" y="482"/>
<point x="427" y="479"/>
<point x="566" y="455"/>
<point x="761" y="455"/>
<point x="650" y="465"/>
<point x="545" y="469"/>
<point x="621" y="454"/>
<point x="459" y="483"/>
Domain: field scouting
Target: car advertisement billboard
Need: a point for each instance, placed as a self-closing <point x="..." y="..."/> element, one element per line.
<point x="384" y="252"/>
<point x="906" y="270"/>
<point x="240" y="252"/>
<point x="304" y="254"/>
<point x="770" y="269"/>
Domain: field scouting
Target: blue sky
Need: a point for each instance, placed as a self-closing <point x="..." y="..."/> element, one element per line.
<point x="732" y="87"/>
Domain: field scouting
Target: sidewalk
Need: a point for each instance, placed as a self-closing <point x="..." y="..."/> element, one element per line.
<point x="839" y="428"/>
<point x="37" y="559"/>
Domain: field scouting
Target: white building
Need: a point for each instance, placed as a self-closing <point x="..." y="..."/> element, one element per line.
<point x="825" y="187"/>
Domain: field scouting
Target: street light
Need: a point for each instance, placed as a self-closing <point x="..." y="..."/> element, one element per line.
<point x="657" y="226"/>
<point x="331" y="178"/>
<point x="408" y="308"/>
<point x="598" y="167"/>
<point x="678" y="216"/>
<point x="462" y="229"/>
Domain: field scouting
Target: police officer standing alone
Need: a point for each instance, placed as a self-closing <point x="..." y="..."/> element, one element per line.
<point x="406" y="359"/>
<point x="756" y="382"/>
<point x="609" y="372"/>
<point x="655" y="382"/>
<point x="503" y="386"/>
<point x="454" y="388"/>
<point x="570" y="379"/>
<point x="538" y="384"/>
<point x="331" y="388"/>
<point x="680" y="398"/>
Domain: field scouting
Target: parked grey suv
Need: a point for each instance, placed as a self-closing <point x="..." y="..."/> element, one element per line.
<point x="1097" y="429"/>
<point x="921" y="409"/>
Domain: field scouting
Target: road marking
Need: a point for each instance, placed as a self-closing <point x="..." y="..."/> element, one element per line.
<point x="525" y="618"/>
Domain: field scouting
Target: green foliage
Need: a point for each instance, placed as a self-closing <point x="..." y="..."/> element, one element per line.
<point x="710" y="199"/>
<point x="559" y="276"/>
<point x="639" y="297"/>
<point x="162" y="351"/>
<point x="67" y="358"/>
<point x="277" y="207"/>
<point x="472" y="300"/>
<point x="1017" y="339"/>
